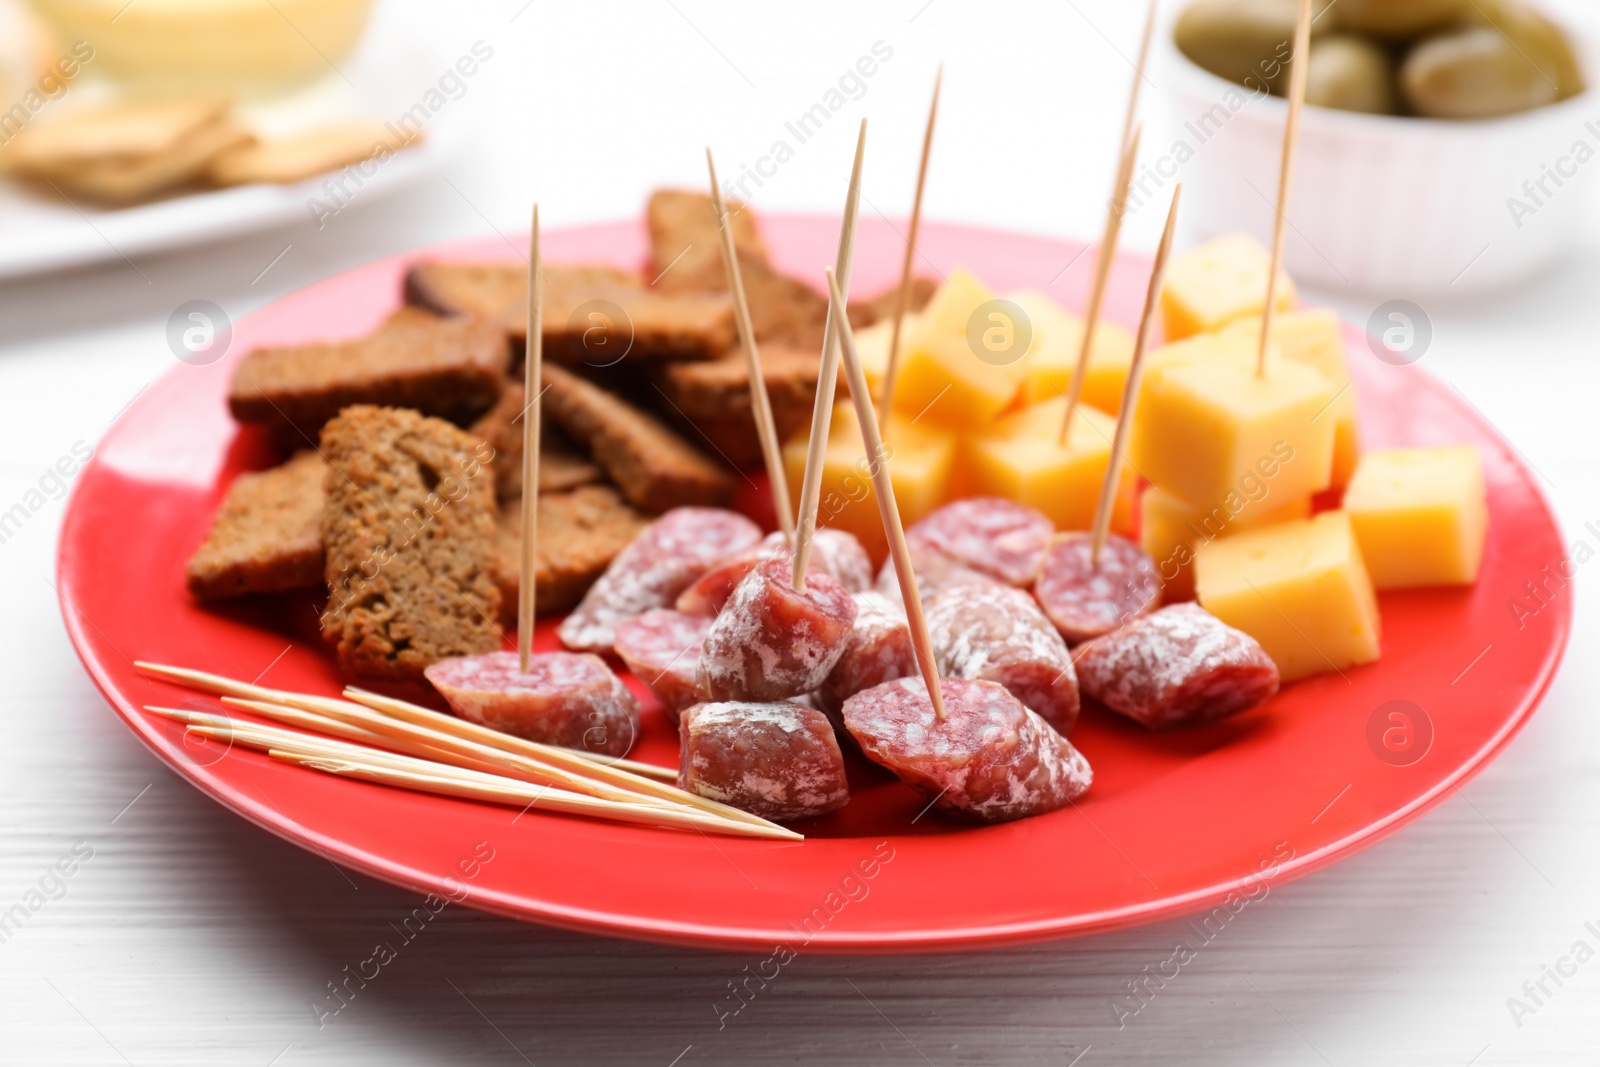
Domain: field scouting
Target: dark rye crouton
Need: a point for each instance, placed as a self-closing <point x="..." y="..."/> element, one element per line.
<point x="685" y="244"/>
<point x="686" y="255"/>
<point x="561" y="465"/>
<point x="497" y="291"/>
<point x="714" y="397"/>
<point x="266" y="536"/>
<point x="409" y="528"/>
<point x="593" y="315"/>
<point x="654" y="467"/>
<point x="451" y="368"/>
<point x="580" y="533"/>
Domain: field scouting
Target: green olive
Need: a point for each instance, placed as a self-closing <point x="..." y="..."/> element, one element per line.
<point x="1473" y="73"/>
<point x="1245" y="41"/>
<point x="1352" y="74"/>
<point x="1536" y="37"/>
<point x="1399" y="19"/>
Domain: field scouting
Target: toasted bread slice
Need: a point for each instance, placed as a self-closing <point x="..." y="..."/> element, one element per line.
<point x="713" y="398"/>
<point x="580" y="532"/>
<point x="266" y="536"/>
<point x="654" y="467"/>
<point x="452" y="368"/>
<point x="409" y="526"/>
<point x="561" y="465"/>
<point x="601" y="325"/>
<point x="496" y="291"/>
<point x="593" y="315"/>
<point x="685" y="245"/>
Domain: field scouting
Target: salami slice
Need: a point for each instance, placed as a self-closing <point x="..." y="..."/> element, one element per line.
<point x="773" y="641"/>
<point x="662" y="649"/>
<point x="1180" y="666"/>
<point x="1086" y="600"/>
<point x="934" y="570"/>
<point x="566" y="698"/>
<point x="990" y="760"/>
<point x="778" y="760"/>
<point x="835" y="553"/>
<point x="877" y="650"/>
<point x="994" y="536"/>
<point x="998" y="634"/>
<point x="650" y="573"/>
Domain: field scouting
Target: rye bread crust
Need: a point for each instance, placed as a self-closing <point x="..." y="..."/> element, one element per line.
<point x="593" y="315"/>
<point x="652" y="465"/>
<point x="409" y="530"/>
<point x="451" y="368"/>
<point x="267" y="535"/>
<point x="562" y="466"/>
<point x="580" y="533"/>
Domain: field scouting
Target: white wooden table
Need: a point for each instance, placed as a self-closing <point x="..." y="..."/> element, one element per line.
<point x="191" y="937"/>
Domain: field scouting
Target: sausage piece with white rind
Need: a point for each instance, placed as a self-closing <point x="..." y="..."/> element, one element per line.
<point x="997" y="633"/>
<point x="662" y="649"/>
<point x="1086" y="599"/>
<point x="1180" y="666"/>
<point x="659" y="564"/>
<point x="990" y="760"/>
<point x="569" y="699"/>
<point x="773" y="641"/>
<point x="934" y="571"/>
<point x="878" y="649"/>
<point x="776" y="760"/>
<point x="992" y="535"/>
<point x="835" y="553"/>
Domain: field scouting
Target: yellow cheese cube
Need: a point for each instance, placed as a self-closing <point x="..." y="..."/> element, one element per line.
<point x="1209" y="286"/>
<point x="964" y="364"/>
<point x="872" y="345"/>
<point x="949" y="311"/>
<point x="1019" y="458"/>
<point x="1054" y="356"/>
<point x="1170" y="529"/>
<point x="1420" y="515"/>
<point x="920" y="458"/>
<point x="1299" y="588"/>
<point x="1315" y="339"/>
<point x="1206" y="422"/>
<point x="942" y="380"/>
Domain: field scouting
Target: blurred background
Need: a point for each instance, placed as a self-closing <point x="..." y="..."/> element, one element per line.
<point x="193" y="937"/>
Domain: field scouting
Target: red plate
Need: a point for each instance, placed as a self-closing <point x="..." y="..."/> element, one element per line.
<point x="1175" y="823"/>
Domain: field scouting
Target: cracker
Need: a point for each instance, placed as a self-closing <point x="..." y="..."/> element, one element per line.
<point x="303" y="155"/>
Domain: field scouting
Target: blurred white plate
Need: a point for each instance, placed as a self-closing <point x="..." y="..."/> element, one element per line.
<point x="385" y="77"/>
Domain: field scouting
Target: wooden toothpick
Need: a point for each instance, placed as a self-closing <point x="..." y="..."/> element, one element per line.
<point x="760" y="401"/>
<point x="533" y="377"/>
<point x="903" y="297"/>
<point x="828" y="378"/>
<point x="1130" y="392"/>
<point x="1102" y="271"/>
<point x="888" y="510"/>
<point x="1127" y="155"/>
<point x="1298" y="65"/>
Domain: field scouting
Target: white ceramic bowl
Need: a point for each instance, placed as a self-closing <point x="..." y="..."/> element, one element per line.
<point x="1382" y="204"/>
